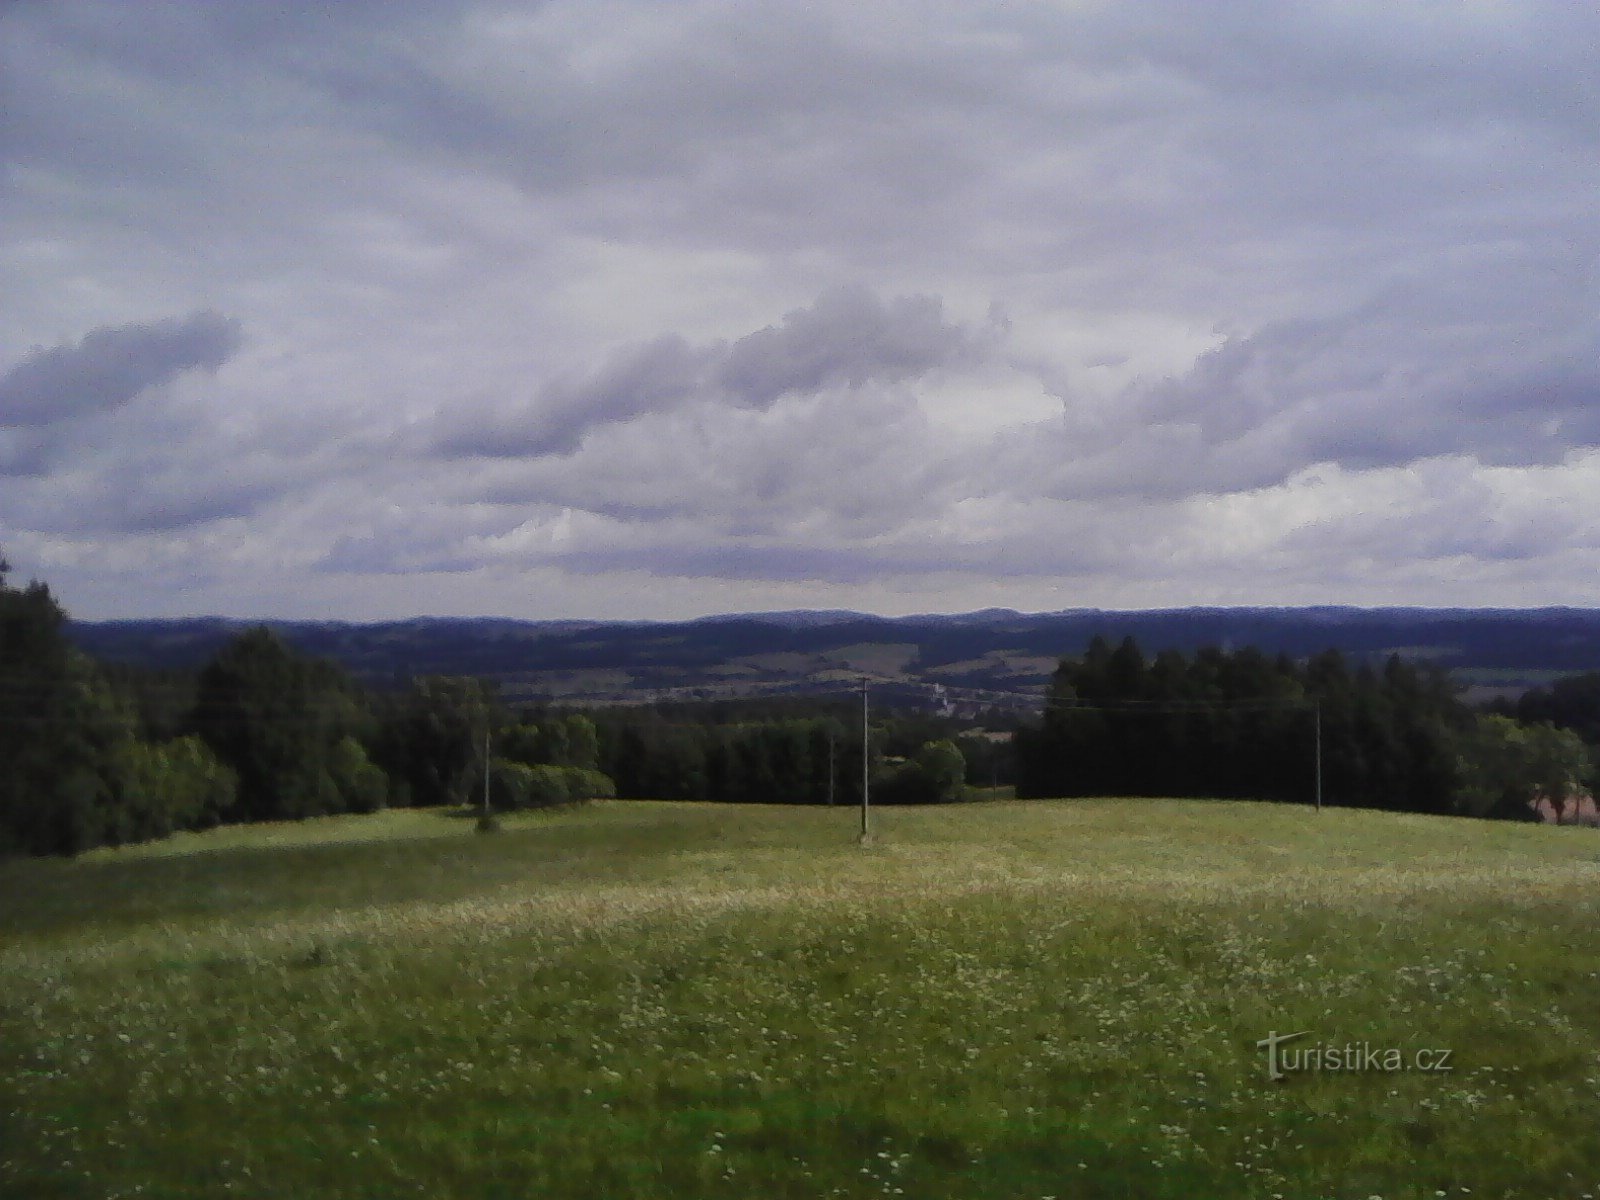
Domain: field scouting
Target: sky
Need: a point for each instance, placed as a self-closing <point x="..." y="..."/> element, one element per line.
<point x="651" y="310"/>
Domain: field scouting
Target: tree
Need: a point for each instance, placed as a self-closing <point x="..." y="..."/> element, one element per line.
<point x="1562" y="765"/>
<point x="1571" y="703"/>
<point x="60" y="732"/>
<point x="520" y="743"/>
<point x="511" y="784"/>
<point x="177" y="785"/>
<point x="583" y="742"/>
<point x="365" y="787"/>
<point x="514" y="785"/>
<point x="562" y="741"/>
<point x="432" y="740"/>
<point x="552" y="745"/>
<point x="1507" y="767"/>
<point x="935" y="775"/>
<point x="1238" y="724"/>
<point x="945" y="768"/>
<point x="276" y="717"/>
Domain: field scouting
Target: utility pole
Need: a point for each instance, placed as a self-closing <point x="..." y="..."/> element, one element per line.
<point x="866" y="759"/>
<point x="1319" y="755"/>
<point x="830" y="766"/>
<point x="485" y="771"/>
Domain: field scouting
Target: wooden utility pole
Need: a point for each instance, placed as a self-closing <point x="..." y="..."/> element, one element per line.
<point x="830" y="766"/>
<point x="866" y="759"/>
<point x="486" y="772"/>
<point x="1319" y="755"/>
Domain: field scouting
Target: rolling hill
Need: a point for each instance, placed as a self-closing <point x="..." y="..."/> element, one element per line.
<point x="994" y="655"/>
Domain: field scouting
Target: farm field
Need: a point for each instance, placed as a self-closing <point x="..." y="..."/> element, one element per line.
<point x="638" y="999"/>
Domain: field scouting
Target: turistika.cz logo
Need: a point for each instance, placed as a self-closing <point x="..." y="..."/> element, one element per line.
<point x="1282" y="1059"/>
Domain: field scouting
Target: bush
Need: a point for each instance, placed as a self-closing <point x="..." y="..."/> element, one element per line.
<point x="206" y="786"/>
<point x="946" y="769"/>
<point x="584" y="783"/>
<point x="363" y="786"/>
<point x="514" y="785"/>
<point x="935" y="776"/>
<point x="178" y="785"/>
<point x="548" y="787"/>
<point x="510" y="784"/>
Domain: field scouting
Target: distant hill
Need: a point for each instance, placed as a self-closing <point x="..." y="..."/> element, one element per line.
<point x="995" y="655"/>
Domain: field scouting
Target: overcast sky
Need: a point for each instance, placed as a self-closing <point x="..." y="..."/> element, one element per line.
<point x="601" y="309"/>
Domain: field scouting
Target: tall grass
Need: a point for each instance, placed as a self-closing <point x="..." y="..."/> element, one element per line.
<point x="635" y="999"/>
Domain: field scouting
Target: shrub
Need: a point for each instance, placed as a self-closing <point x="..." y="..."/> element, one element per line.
<point x="584" y="783"/>
<point x="514" y="785"/>
<point x="935" y="776"/>
<point x="180" y="784"/>
<point x="363" y="786"/>
<point x="548" y="786"/>
<point x="510" y="784"/>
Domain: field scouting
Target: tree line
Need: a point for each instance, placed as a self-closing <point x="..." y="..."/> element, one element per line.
<point x="105" y="756"/>
<point x="1239" y="724"/>
<point x="811" y="759"/>
<point x="96" y="755"/>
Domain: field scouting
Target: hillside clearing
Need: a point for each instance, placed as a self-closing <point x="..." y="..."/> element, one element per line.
<point x="647" y="999"/>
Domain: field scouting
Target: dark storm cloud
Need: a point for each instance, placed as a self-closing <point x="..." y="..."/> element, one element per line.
<point x="848" y="337"/>
<point x="108" y="367"/>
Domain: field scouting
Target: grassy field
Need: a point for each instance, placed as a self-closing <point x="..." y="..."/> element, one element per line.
<point x="645" y="1000"/>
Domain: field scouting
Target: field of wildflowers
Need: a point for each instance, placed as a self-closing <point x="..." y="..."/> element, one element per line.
<point x="1014" y="999"/>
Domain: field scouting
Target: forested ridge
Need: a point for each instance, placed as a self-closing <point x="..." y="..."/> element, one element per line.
<point x="98" y="754"/>
<point x="965" y="647"/>
<point x="1243" y="725"/>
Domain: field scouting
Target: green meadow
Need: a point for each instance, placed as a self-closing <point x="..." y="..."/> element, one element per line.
<point x="637" y="999"/>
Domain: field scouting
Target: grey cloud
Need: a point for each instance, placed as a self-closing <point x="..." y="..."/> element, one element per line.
<point x="152" y="492"/>
<point x="855" y="464"/>
<point x="394" y="557"/>
<point x="431" y="538"/>
<point x="1449" y="369"/>
<point x="1389" y="209"/>
<point x="186" y="507"/>
<point x="27" y="451"/>
<point x="110" y="366"/>
<point x="854" y="565"/>
<point x="658" y="376"/>
<point x="664" y="99"/>
<point x="1534" y="414"/>
<point x="1070" y="543"/>
<point x="1444" y="510"/>
<point x="848" y="337"/>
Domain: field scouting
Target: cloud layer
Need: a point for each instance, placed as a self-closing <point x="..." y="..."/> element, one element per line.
<point x="847" y="338"/>
<point x="109" y="367"/>
<point x="629" y="310"/>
